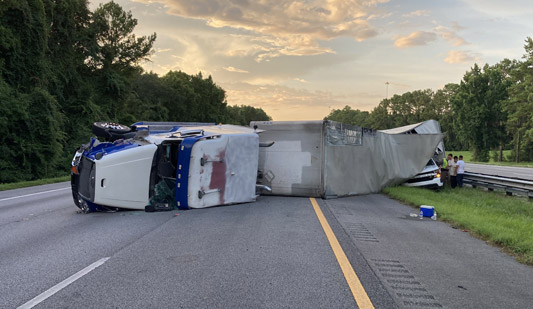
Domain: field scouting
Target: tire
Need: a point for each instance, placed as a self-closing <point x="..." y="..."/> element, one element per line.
<point x="114" y="136"/>
<point x="74" y="189"/>
<point x="107" y="129"/>
<point x="75" y="197"/>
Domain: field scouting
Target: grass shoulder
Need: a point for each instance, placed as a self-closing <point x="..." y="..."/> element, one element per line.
<point x="38" y="182"/>
<point x="469" y="155"/>
<point x="498" y="219"/>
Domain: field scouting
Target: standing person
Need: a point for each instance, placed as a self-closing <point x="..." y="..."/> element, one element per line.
<point x="452" y="167"/>
<point x="446" y="169"/>
<point x="460" y="171"/>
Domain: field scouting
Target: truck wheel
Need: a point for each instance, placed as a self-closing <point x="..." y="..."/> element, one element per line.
<point x="75" y="197"/>
<point x="105" y="129"/>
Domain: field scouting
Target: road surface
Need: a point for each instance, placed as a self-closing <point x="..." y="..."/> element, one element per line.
<point x="272" y="253"/>
<point x="505" y="171"/>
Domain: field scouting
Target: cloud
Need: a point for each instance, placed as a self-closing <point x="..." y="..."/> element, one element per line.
<point x="450" y="36"/>
<point x="382" y="15"/>
<point x="418" y="13"/>
<point x="457" y="56"/>
<point x="188" y="56"/>
<point x="417" y="38"/>
<point x="286" y="27"/>
<point x="457" y="27"/>
<point x="420" y="38"/>
<point x="232" y="69"/>
<point x="301" y="80"/>
<point x="500" y="8"/>
<point x="162" y="50"/>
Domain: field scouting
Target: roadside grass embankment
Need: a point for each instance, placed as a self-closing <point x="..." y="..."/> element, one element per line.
<point x="24" y="184"/>
<point x="469" y="155"/>
<point x="504" y="221"/>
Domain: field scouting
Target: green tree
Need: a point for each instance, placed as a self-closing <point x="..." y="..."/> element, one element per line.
<point x="200" y="99"/>
<point x="115" y="46"/>
<point x="411" y="107"/>
<point x="351" y="116"/>
<point x="152" y="99"/>
<point x="209" y="98"/>
<point x="183" y="108"/>
<point x="14" y="115"/>
<point x="519" y="106"/>
<point x="422" y="105"/>
<point x="400" y="110"/>
<point x="442" y="103"/>
<point x="68" y="41"/>
<point x="23" y="40"/>
<point x="244" y="114"/>
<point x="380" y="119"/>
<point x="114" y="55"/>
<point x="479" y="117"/>
<point x="31" y="119"/>
<point x="44" y="136"/>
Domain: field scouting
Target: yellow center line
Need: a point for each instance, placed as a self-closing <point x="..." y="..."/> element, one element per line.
<point x="358" y="292"/>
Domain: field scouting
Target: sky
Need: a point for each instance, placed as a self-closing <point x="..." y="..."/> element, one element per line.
<point x="298" y="60"/>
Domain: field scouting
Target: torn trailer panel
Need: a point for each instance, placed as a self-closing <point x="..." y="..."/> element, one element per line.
<point x="331" y="159"/>
<point x="425" y="127"/>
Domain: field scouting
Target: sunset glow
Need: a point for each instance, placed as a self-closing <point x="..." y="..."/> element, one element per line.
<point x="299" y="59"/>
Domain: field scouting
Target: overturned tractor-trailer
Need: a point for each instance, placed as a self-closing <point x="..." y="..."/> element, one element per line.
<point x="163" y="165"/>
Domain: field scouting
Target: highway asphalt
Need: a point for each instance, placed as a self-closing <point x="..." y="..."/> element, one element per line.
<point x="505" y="171"/>
<point x="272" y="253"/>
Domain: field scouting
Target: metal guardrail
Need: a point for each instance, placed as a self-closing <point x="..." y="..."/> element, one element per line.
<point x="492" y="182"/>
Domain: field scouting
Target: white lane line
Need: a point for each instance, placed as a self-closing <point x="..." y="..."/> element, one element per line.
<point x="61" y="285"/>
<point x="20" y="196"/>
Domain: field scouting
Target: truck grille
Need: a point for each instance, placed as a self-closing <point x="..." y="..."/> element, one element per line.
<point x="420" y="179"/>
<point x="87" y="179"/>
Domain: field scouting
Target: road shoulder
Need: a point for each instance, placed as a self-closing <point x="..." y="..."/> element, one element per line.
<point x="425" y="263"/>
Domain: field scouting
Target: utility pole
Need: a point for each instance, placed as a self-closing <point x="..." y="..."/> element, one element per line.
<point x="387" y="87"/>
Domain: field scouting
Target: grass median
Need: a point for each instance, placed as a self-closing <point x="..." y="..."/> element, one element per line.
<point x="501" y="220"/>
<point x="24" y="184"/>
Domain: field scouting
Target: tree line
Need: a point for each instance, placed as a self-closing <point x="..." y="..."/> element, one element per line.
<point x="490" y="109"/>
<point x="63" y="67"/>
